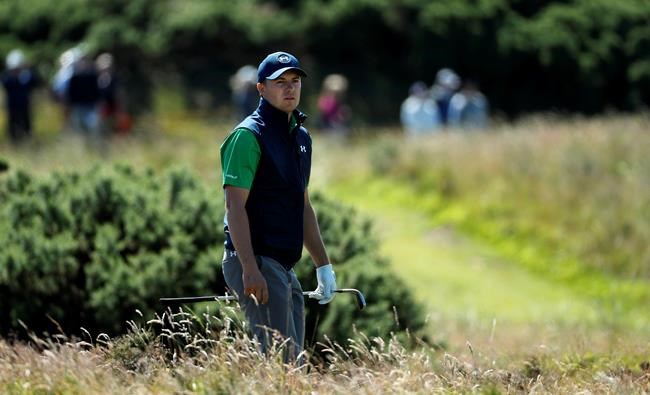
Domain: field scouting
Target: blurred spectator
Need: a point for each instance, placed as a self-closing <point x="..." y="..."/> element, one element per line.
<point x="112" y="116"/>
<point x="334" y="113"/>
<point x="468" y="108"/>
<point x="61" y="79"/>
<point x="245" y="97"/>
<point x="83" y="97"/>
<point x="419" y="112"/>
<point x="19" y="81"/>
<point x="445" y="86"/>
<point x="107" y="90"/>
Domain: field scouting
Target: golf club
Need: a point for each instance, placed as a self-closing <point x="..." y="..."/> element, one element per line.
<point x="361" y="300"/>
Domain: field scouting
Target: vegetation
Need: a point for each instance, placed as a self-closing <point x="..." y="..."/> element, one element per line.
<point x="580" y="55"/>
<point x="87" y="249"/>
<point x="510" y="261"/>
<point x="578" y="190"/>
<point x="567" y="201"/>
<point x="188" y="356"/>
<point x="494" y="317"/>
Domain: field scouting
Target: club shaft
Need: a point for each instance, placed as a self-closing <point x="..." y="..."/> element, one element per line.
<point x="225" y="298"/>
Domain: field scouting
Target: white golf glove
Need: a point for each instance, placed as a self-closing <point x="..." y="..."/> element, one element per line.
<point x="326" y="284"/>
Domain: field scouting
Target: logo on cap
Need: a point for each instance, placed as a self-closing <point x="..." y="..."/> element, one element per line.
<point x="284" y="58"/>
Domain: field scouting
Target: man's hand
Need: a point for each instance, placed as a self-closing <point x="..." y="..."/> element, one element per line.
<point x="326" y="284"/>
<point x="255" y="285"/>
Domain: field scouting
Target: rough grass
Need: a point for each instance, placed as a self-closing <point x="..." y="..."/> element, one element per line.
<point x="577" y="187"/>
<point x="565" y="200"/>
<point x="178" y="353"/>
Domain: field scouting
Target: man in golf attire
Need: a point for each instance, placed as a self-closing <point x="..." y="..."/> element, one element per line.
<point x="266" y="163"/>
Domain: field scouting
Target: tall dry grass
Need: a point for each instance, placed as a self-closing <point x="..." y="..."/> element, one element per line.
<point x="179" y="353"/>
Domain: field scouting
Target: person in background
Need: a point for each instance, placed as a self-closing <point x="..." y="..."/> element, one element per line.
<point x="468" y="109"/>
<point x="244" y="91"/>
<point x="18" y="80"/>
<point x="61" y="80"/>
<point x="62" y="76"/>
<point x="266" y="163"/>
<point x="113" y="118"/>
<point x="445" y="86"/>
<point x="334" y="113"/>
<point x="419" y="112"/>
<point x="82" y="96"/>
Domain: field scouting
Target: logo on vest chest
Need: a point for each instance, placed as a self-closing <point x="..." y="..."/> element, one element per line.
<point x="303" y="148"/>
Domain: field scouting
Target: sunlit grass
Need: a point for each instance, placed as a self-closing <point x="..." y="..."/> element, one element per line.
<point x="535" y="193"/>
<point x="170" y="137"/>
<point x="457" y="276"/>
<point x="180" y="353"/>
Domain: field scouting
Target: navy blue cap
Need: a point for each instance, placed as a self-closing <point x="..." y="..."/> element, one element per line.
<point x="277" y="63"/>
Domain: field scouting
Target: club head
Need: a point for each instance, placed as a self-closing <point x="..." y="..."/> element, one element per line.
<point x="361" y="300"/>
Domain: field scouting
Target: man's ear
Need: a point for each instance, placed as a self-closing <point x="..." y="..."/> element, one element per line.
<point x="260" y="88"/>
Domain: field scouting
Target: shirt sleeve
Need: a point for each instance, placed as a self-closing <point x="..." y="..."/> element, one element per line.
<point x="240" y="155"/>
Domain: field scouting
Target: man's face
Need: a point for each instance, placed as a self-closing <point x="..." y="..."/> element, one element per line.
<point x="283" y="92"/>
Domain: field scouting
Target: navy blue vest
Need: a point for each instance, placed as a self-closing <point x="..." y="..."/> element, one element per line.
<point x="276" y="200"/>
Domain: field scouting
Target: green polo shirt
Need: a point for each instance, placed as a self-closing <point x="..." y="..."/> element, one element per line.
<point x="240" y="155"/>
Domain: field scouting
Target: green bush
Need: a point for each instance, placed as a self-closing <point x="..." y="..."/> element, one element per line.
<point x="88" y="249"/>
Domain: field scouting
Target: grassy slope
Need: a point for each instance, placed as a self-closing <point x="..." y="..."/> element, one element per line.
<point x="455" y="275"/>
<point x="474" y="280"/>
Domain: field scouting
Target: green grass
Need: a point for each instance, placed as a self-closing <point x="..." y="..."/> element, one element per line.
<point x="468" y="233"/>
<point x="455" y="275"/>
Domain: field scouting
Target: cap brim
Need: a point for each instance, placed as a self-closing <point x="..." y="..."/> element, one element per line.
<point x="279" y="72"/>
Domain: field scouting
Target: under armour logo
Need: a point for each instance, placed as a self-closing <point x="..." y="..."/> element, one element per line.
<point x="232" y="253"/>
<point x="303" y="148"/>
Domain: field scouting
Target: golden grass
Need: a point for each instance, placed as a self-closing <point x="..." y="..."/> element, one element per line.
<point x="189" y="357"/>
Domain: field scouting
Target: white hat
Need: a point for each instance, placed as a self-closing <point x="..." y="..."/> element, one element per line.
<point x="335" y="83"/>
<point x="70" y="56"/>
<point x="15" y="59"/>
<point x="448" y="78"/>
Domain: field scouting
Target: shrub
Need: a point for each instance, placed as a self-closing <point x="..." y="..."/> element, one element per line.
<point x="88" y="249"/>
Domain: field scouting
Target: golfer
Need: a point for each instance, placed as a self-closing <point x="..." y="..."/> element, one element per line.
<point x="266" y="163"/>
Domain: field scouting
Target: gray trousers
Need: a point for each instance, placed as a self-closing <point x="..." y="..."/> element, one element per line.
<point x="283" y="315"/>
